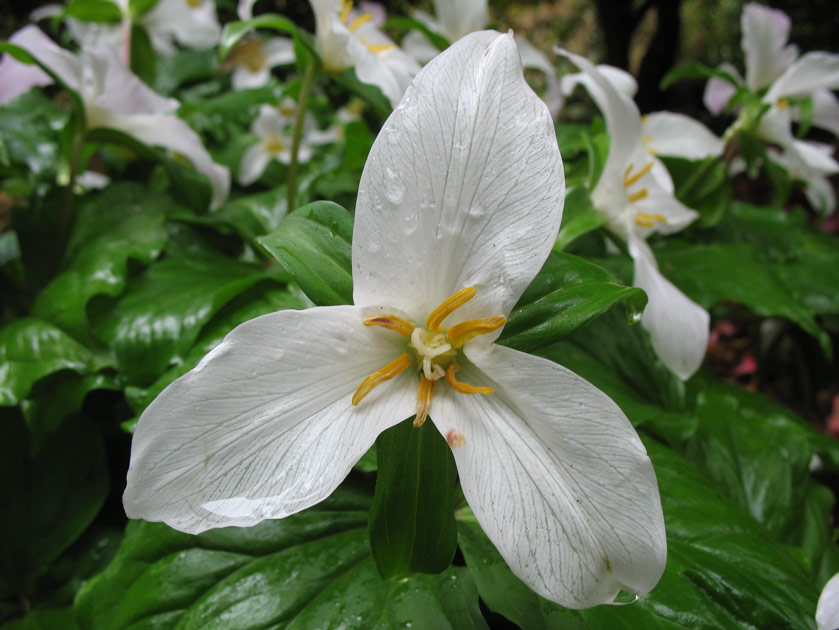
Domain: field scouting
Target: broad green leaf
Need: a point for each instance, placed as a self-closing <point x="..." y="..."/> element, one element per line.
<point x="412" y="526"/>
<point x="579" y="217"/>
<point x="160" y="315"/>
<point x="566" y="294"/>
<point x="185" y="66"/>
<point x="31" y="349"/>
<point x="125" y="221"/>
<point x="310" y="570"/>
<point x="314" y="243"/>
<point x="703" y="186"/>
<point x="252" y="216"/>
<point x="49" y="496"/>
<point x="406" y="24"/>
<point x="59" y="618"/>
<point x="29" y="127"/>
<point x="716" y="272"/>
<point x="813" y="532"/>
<point x="103" y="11"/>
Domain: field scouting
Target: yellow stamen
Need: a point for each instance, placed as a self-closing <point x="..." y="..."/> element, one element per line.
<point x="423" y="400"/>
<point x="649" y="220"/>
<point x="783" y="103"/>
<point x="391" y="322"/>
<point x="435" y="320"/>
<point x="460" y="333"/>
<point x="274" y="144"/>
<point x="377" y="48"/>
<point x="394" y="368"/>
<point x="357" y="22"/>
<point x="638" y="196"/>
<point x="628" y="181"/>
<point x="463" y="388"/>
<point x="346" y="9"/>
<point x="194" y="3"/>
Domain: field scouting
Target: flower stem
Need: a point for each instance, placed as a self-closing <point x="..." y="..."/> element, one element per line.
<point x="302" y="105"/>
<point x="67" y="202"/>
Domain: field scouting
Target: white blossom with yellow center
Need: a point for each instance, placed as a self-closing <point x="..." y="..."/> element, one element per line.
<point x="253" y="58"/>
<point x="459" y="205"/>
<point x="635" y="194"/>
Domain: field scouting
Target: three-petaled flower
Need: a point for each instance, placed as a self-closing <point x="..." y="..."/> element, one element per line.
<point x="459" y="205"/>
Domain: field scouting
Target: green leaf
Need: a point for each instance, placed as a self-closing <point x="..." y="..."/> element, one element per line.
<point x="314" y="243"/>
<point x="566" y="294"/>
<point x="161" y="313"/>
<point x="406" y="24"/>
<point x="49" y="496"/>
<point x="703" y="186"/>
<point x="125" y="221"/>
<point x="183" y="67"/>
<point x="252" y="216"/>
<point x="310" y="570"/>
<point x="696" y="70"/>
<point x="29" y="127"/>
<point x="412" y="527"/>
<point x="102" y="11"/>
<point x="31" y="349"/>
<point x="578" y="218"/>
<point x="712" y="273"/>
<point x="235" y="31"/>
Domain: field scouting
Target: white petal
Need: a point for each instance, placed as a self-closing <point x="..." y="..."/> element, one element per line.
<point x="253" y="164"/>
<point x="534" y="59"/>
<point x="376" y="10"/>
<point x="193" y="27"/>
<point x="278" y="51"/>
<point x="390" y="70"/>
<point x="620" y="79"/>
<point x="120" y="90"/>
<point x="678" y="327"/>
<point x="17" y="77"/>
<point x="331" y="36"/>
<point x="264" y="426"/>
<point x="243" y="78"/>
<point x="245" y="9"/>
<point x="64" y="64"/>
<point x="171" y="132"/>
<point x="678" y="216"/>
<point x="719" y="92"/>
<point x="821" y="194"/>
<point x="814" y="71"/>
<point x="461" y="17"/>
<point x="666" y="133"/>
<point x="765" y="34"/>
<point x="463" y="187"/>
<point x="826" y="111"/>
<point x="827" y="610"/>
<point x="269" y="122"/>
<point x="623" y="121"/>
<point x="557" y="478"/>
<point x="417" y="46"/>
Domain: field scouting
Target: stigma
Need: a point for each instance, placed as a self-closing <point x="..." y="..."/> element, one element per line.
<point x="432" y="348"/>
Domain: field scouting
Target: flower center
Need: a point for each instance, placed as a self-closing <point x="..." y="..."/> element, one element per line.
<point x="248" y="53"/>
<point x="434" y="349"/>
<point x="356" y="22"/>
<point x="642" y="219"/>
<point x="275" y="144"/>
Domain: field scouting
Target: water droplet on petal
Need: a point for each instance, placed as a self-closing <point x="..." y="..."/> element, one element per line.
<point x="409" y="223"/>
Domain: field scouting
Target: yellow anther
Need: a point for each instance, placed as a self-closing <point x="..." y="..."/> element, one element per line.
<point x="783" y="103"/>
<point x="463" y="388"/>
<point x="423" y="400"/>
<point x="357" y="22"/>
<point x="638" y="196"/>
<point x="649" y="220"/>
<point x="394" y="368"/>
<point x="275" y="144"/>
<point x="194" y="3"/>
<point x="377" y="48"/>
<point x="346" y="9"/>
<point x="460" y="333"/>
<point x="391" y="322"/>
<point x="628" y="181"/>
<point x="435" y="320"/>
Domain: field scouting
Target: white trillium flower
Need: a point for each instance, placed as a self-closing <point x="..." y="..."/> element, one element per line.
<point x="190" y="23"/>
<point x="253" y="58"/>
<point x="774" y="66"/>
<point x="455" y="19"/>
<point x="17" y="78"/>
<point x="635" y="193"/>
<point x="346" y="38"/>
<point x="827" y="610"/>
<point x="459" y="205"/>
<point x="274" y="128"/>
<point x="115" y="98"/>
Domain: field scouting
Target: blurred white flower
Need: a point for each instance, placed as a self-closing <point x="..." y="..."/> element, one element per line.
<point x="253" y="58"/>
<point x="635" y="193"/>
<point x="113" y="97"/>
<point x="346" y="38"/>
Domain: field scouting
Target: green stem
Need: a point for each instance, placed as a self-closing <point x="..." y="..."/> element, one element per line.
<point x="696" y="175"/>
<point x="302" y="105"/>
<point x="66" y="202"/>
